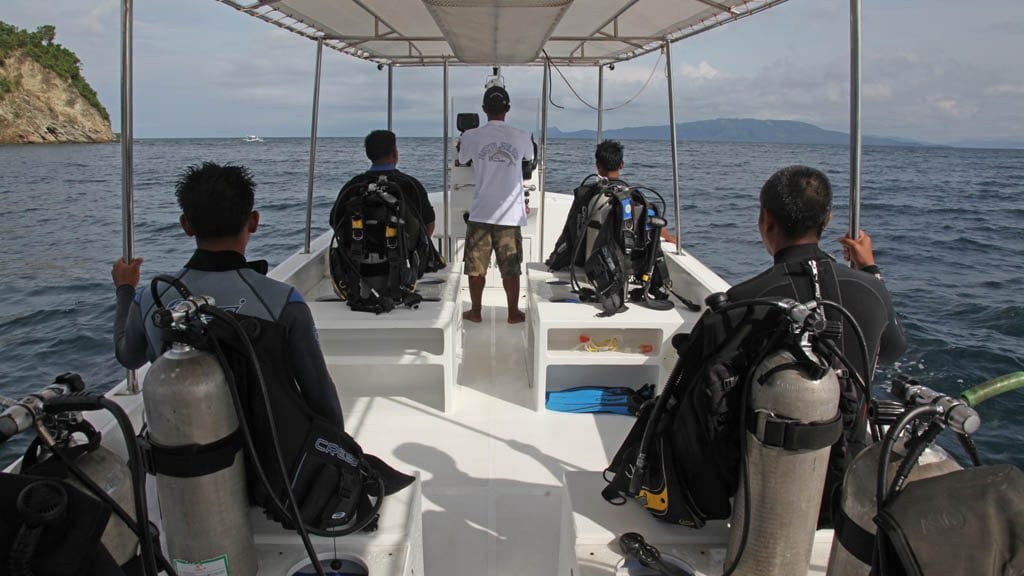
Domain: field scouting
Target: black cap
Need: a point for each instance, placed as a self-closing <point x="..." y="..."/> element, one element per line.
<point x="496" y="94"/>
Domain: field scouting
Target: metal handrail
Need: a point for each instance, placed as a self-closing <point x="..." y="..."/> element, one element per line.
<point x="855" y="134"/>
<point x="600" y="101"/>
<point x="447" y="217"/>
<point x="672" y="129"/>
<point x="312" y="147"/>
<point x="127" y="156"/>
<point x="543" y="160"/>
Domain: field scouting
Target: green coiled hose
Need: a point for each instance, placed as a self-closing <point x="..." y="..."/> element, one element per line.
<point x="994" y="387"/>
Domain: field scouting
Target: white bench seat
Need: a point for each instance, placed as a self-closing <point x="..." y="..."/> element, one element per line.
<point x="384" y="354"/>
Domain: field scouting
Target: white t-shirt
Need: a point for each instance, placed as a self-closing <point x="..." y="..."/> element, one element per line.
<point x="497" y="151"/>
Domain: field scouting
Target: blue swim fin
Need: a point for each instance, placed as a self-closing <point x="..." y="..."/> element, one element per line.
<point x="592" y="399"/>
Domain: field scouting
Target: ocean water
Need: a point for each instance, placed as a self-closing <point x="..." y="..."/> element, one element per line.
<point x="946" y="225"/>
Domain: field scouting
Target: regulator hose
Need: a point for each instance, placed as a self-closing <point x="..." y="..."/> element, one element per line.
<point x="175" y="282"/>
<point x="994" y="387"/>
<point x="882" y="485"/>
<point x="915" y="452"/>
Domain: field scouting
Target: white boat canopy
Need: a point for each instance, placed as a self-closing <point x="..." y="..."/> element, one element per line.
<point x="429" y="32"/>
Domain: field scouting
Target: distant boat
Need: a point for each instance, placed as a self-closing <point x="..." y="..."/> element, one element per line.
<point x="252" y="138"/>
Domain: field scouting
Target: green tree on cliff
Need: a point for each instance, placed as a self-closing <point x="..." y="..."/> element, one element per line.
<point x="41" y="47"/>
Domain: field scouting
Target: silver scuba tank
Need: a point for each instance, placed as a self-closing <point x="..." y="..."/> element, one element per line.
<point x="785" y="485"/>
<point x="859" y="502"/>
<point x="205" y="518"/>
<point x="110" y="472"/>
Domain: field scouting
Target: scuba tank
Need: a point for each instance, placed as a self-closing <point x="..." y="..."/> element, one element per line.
<point x="854" y="541"/>
<point x="194" y="449"/>
<point x="776" y="506"/>
<point x="110" y="471"/>
<point x="855" y="528"/>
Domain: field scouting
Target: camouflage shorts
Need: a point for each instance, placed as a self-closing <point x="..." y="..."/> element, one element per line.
<point x="506" y="241"/>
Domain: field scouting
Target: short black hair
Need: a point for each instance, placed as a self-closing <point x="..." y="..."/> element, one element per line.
<point x="216" y="200"/>
<point x="608" y="155"/>
<point x="800" y="199"/>
<point x="379" y="145"/>
<point x="496" y="101"/>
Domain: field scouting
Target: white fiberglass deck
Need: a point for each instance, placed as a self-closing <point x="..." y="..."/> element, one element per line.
<point x="492" y="471"/>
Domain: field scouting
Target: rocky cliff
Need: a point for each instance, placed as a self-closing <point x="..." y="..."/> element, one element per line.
<point x="37" y="105"/>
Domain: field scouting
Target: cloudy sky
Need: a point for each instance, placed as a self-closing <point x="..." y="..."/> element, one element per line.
<point x="934" y="70"/>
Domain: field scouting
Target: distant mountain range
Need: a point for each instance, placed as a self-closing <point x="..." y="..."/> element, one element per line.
<point x="737" y="130"/>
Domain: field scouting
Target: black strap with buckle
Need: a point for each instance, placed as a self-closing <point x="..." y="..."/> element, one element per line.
<point x="791" y="434"/>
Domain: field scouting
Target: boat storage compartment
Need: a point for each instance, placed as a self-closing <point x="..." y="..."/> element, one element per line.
<point x="404" y="352"/>
<point x="569" y="345"/>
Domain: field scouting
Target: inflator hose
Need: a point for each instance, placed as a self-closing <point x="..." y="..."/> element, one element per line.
<point x="175" y="282"/>
<point x="994" y="387"/>
<point x="861" y="341"/>
<point x="664" y="207"/>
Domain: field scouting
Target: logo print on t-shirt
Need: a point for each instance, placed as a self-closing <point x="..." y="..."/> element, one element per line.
<point x="502" y="152"/>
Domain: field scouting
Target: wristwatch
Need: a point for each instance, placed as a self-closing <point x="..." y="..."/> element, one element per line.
<point x="874" y="271"/>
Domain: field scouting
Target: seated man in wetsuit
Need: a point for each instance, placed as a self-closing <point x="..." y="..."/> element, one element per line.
<point x="382" y="150"/>
<point x="217" y="209"/>
<point x="796" y="206"/>
<point x="608" y="157"/>
<point x="608" y="162"/>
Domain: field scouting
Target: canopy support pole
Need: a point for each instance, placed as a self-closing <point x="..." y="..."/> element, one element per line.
<point x="543" y="160"/>
<point x="447" y="170"/>
<point x="855" y="133"/>
<point x="312" y="145"/>
<point x="672" y="128"/>
<point x="600" y="100"/>
<point x="127" y="156"/>
<point x="391" y="72"/>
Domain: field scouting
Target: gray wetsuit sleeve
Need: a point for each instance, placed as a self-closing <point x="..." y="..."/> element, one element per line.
<point x="130" y="345"/>
<point x="307" y="362"/>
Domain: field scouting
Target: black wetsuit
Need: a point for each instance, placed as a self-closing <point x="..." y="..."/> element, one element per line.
<point x="865" y="296"/>
<point x="861" y="293"/>
<point x="241" y="287"/>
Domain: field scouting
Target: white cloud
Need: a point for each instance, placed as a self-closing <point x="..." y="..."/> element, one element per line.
<point x="879" y="91"/>
<point x="702" y="71"/>
<point x="101" y="18"/>
<point x="948" y="106"/>
<point x="1005" y="90"/>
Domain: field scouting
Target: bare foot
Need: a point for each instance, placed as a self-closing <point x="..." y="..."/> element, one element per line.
<point x="515" y="317"/>
<point x="473" y="315"/>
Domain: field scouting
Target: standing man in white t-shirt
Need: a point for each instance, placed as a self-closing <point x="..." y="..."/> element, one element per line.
<point x="499" y="209"/>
